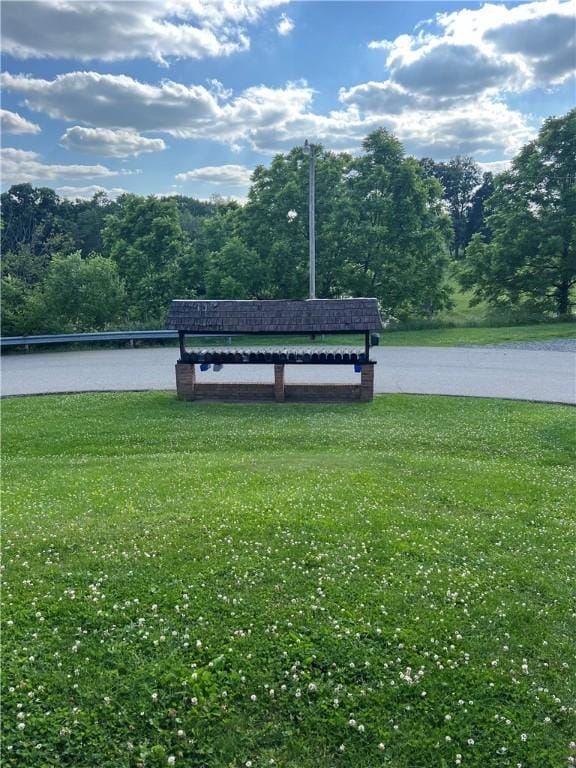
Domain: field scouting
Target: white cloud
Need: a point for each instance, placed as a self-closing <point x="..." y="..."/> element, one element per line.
<point x="480" y="128"/>
<point x="451" y="70"/>
<point x="232" y="175"/>
<point x="20" y="166"/>
<point x="490" y="49"/>
<point x="118" y="101"/>
<point x="276" y="119"/>
<point x="113" y="31"/>
<point x="447" y="81"/>
<point x="495" y="166"/>
<point x="87" y="193"/>
<point x="12" y="122"/>
<point x="378" y="97"/>
<point x="382" y="45"/>
<point x="109" y="142"/>
<point x="285" y="25"/>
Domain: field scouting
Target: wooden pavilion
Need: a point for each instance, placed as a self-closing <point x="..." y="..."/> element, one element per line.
<point x="312" y="317"/>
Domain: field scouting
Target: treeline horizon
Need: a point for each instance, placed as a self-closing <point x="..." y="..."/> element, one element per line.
<point x="387" y="225"/>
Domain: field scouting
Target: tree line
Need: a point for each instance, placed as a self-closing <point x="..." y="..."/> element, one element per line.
<point x="388" y="225"/>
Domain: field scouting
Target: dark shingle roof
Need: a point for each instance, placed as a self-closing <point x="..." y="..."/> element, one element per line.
<point x="311" y="316"/>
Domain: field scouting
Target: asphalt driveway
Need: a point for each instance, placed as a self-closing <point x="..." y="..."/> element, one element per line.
<point x="523" y="372"/>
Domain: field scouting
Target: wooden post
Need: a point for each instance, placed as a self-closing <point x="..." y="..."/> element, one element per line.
<point x="279" y="383"/>
<point x="185" y="381"/>
<point x="182" y="345"/>
<point x="367" y="383"/>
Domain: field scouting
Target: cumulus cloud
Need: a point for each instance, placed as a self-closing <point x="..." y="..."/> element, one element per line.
<point x="276" y="119"/>
<point x="20" y="166"/>
<point x="109" y="142"/>
<point x="12" y="122"/>
<point x="453" y="70"/>
<point x="113" y="31"/>
<point x="285" y="25"/>
<point x="486" y="50"/>
<point x="88" y="192"/>
<point x="485" y="127"/>
<point x="548" y="43"/>
<point x="232" y="175"/>
<point x="118" y="101"/>
<point x="378" y="97"/>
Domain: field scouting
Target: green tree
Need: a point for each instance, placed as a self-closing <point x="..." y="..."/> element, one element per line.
<point x="82" y="294"/>
<point x="274" y="223"/>
<point x="154" y="254"/>
<point x="531" y="258"/>
<point x="24" y="311"/>
<point x="460" y="178"/>
<point x="235" y="272"/>
<point x="88" y="220"/>
<point x="34" y="220"/>
<point x="392" y="233"/>
<point x="476" y="218"/>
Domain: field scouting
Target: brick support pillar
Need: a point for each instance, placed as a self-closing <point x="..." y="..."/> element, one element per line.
<point x="367" y="383"/>
<point x="279" y="383"/>
<point x="185" y="381"/>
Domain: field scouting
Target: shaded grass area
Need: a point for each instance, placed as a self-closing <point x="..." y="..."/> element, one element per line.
<point x="224" y="585"/>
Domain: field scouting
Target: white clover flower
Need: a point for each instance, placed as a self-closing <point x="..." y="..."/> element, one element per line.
<point x="154" y="697"/>
<point x="381" y="746"/>
<point x="171" y="760"/>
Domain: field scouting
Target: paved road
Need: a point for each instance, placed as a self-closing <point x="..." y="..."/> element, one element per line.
<point x="520" y="374"/>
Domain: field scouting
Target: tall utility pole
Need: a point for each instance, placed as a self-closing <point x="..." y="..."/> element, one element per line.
<point x="309" y="150"/>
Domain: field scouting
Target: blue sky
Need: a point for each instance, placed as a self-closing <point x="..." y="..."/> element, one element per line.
<point x="188" y="96"/>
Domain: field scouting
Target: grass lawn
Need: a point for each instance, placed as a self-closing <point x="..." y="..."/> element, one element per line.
<point x="300" y="585"/>
<point x="449" y="337"/>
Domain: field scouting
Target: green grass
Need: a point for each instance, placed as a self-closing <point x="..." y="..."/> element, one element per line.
<point x="447" y="337"/>
<point x="463" y="312"/>
<point x="304" y="586"/>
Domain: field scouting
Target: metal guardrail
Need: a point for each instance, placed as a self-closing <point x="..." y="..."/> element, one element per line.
<point x="82" y="338"/>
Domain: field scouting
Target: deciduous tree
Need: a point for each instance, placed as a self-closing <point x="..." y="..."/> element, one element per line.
<point x="532" y="254"/>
